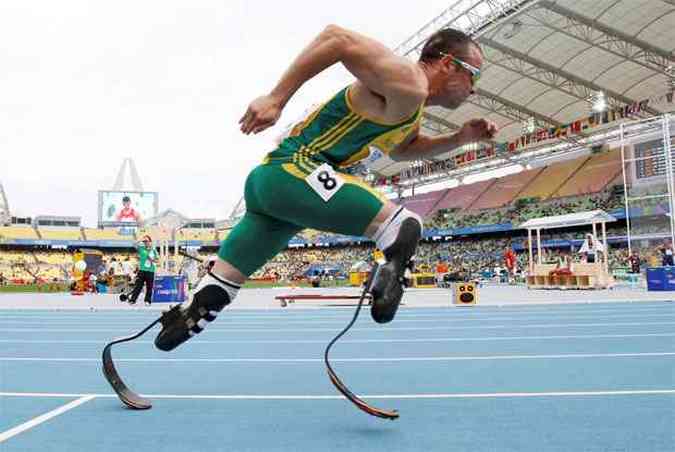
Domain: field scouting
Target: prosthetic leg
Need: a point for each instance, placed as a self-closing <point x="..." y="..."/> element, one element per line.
<point x="397" y="237"/>
<point x="178" y="325"/>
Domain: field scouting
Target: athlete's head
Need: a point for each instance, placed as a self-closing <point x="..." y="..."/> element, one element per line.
<point x="452" y="61"/>
<point x="126" y="201"/>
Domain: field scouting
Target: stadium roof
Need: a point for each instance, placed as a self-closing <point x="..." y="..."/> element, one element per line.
<point x="569" y="220"/>
<point x="545" y="59"/>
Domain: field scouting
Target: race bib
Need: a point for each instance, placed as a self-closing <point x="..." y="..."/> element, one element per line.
<point x="325" y="181"/>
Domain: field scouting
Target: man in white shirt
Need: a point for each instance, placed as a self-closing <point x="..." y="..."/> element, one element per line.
<point x="590" y="248"/>
<point x="667" y="254"/>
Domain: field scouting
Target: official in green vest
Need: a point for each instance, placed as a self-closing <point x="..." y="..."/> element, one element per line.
<point x="147" y="258"/>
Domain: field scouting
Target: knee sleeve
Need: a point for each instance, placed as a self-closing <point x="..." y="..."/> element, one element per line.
<point x="390" y="231"/>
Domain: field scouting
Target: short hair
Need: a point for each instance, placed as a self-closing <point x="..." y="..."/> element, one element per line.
<point x="447" y="40"/>
<point x="126" y="199"/>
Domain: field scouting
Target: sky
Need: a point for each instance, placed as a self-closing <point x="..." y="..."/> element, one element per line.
<point x="85" y="84"/>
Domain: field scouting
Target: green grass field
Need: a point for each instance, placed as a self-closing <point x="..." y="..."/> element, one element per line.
<point x="31" y="288"/>
<point x="55" y="287"/>
<point x="265" y="284"/>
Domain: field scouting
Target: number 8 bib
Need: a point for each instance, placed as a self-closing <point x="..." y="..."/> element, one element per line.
<point x="325" y="181"/>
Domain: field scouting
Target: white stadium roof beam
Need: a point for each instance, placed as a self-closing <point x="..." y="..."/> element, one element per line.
<point x="466" y="15"/>
<point x="5" y="214"/>
<point x="546" y="74"/>
<point x="497" y="104"/>
<point x="596" y="34"/>
<point x="438" y="124"/>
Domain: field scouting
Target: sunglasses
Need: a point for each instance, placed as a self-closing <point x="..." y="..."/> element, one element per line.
<point x="473" y="70"/>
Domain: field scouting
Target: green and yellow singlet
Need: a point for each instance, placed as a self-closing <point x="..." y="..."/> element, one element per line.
<point x="336" y="134"/>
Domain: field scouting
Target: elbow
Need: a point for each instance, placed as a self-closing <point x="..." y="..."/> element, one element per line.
<point x="340" y="39"/>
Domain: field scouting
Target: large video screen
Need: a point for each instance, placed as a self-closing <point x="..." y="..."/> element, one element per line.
<point x="126" y="207"/>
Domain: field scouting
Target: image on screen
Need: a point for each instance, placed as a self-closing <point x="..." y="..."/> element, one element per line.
<point x="126" y="207"/>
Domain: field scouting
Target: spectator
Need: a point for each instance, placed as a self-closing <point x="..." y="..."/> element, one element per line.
<point x="128" y="271"/>
<point x="590" y="249"/>
<point x="510" y="261"/>
<point x="667" y="254"/>
<point x="634" y="262"/>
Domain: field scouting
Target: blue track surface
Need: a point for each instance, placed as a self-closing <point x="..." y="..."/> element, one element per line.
<point x="597" y="377"/>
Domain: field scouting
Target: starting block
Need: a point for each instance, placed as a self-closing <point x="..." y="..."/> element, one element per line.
<point x="284" y="300"/>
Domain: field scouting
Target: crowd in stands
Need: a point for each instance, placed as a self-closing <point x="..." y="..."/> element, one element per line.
<point x="465" y="256"/>
<point x="518" y="213"/>
<point x="462" y="255"/>
<point x="49" y="266"/>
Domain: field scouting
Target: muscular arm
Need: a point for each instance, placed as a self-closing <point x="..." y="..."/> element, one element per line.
<point x="380" y="69"/>
<point x="424" y="147"/>
<point x="399" y="82"/>
<point x="421" y="146"/>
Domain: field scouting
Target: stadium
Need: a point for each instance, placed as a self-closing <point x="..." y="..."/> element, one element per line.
<point x="537" y="312"/>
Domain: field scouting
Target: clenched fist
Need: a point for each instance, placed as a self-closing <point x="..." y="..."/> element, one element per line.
<point x="478" y="130"/>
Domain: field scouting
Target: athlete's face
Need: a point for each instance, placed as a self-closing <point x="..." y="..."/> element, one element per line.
<point x="457" y="79"/>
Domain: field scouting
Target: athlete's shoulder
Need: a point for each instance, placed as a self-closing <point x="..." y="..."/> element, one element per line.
<point x="388" y="110"/>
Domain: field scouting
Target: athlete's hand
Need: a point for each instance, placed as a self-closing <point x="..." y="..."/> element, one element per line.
<point x="262" y="113"/>
<point x="478" y="130"/>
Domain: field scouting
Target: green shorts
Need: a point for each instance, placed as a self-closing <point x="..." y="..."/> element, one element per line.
<point x="280" y="203"/>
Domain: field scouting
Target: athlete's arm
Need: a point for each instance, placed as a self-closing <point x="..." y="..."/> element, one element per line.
<point x="423" y="146"/>
<point x="392" y="77"/>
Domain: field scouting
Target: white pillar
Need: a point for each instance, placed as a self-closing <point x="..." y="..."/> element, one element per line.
<point x="595" y="239"/>
<point x="529" y="247"/>
<point x="539" y="246"/>
<point x="606" y="252"/>
<point x="624" y="163"/>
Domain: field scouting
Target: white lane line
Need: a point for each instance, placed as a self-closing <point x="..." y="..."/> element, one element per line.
<point x="329" y="312"/>
<point x="295" y="322"/>
<point x="4" y="436"/>
<point x="404" y="312"/>
<point x="361" y="341"/>
<point x="331" y="330"/>
<point x="348" y="360"/>
<point x="369" y="396"/>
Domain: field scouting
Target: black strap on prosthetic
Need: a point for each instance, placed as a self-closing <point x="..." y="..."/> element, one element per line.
<point x="360" y="404"/>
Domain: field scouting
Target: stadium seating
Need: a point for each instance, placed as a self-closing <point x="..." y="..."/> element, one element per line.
<point x="424" y="203"/>
<point x="105" y="234"/>
<point x="549" y="181"/>
<point x="505" y="190"/>
<point x="61" y="233"/>
<point x="18" y="232"/>
<point x="463" y="196"/>
<point x="205" y="235"/>
<point x="593" y="176"/>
